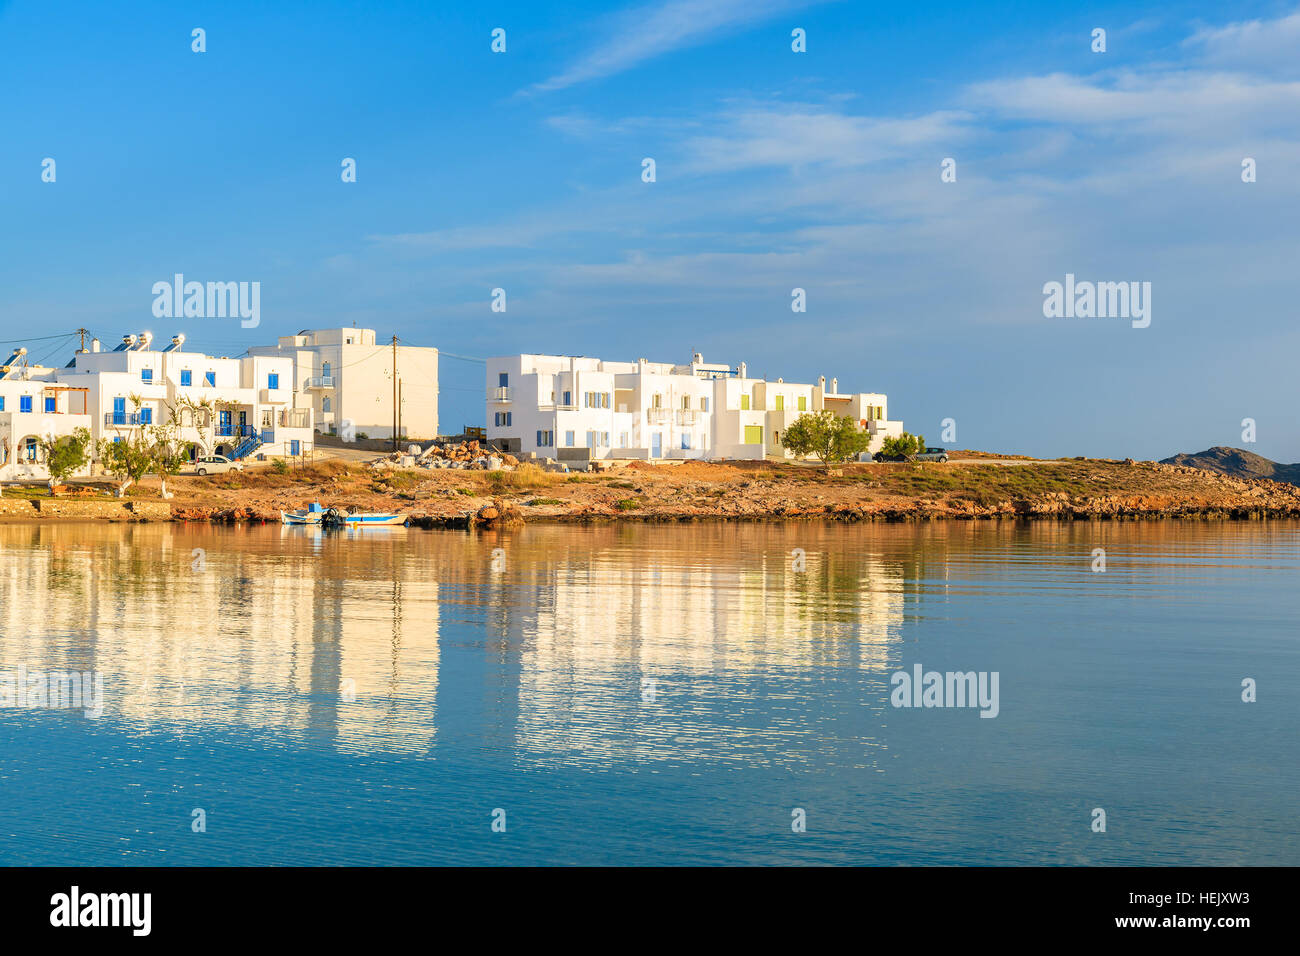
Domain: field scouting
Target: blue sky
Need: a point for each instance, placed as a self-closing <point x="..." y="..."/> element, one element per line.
<point x="775" y="170"/>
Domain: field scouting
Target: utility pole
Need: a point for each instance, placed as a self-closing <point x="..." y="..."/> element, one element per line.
<point x="83" y="333"/>
<point x="394" y="393"/>
<point x="399" y="406"/>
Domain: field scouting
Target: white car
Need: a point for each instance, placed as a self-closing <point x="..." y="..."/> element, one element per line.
<point x="216" y="465"/>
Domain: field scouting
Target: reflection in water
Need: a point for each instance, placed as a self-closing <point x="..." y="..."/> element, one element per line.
<point x="369" y="682"/>
<point x="336" y="636"/>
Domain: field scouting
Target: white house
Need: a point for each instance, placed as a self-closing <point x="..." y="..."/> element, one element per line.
<point x="33" y="406"/>
<point x="347" y="376"/>
<point x="235" y="407"/>
<point x="576" y="408"/>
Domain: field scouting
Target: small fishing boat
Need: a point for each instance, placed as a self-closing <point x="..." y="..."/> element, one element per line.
<point x="333" y="518"/>
<point x="312" y="515"/>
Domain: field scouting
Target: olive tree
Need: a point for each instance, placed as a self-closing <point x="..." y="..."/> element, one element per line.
<point x="826" y="435"/>
<point x="65" y="455"/>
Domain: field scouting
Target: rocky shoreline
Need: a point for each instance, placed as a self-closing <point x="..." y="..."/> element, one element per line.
<point x="978" y="489"/>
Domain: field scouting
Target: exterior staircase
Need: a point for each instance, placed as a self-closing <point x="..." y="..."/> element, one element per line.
<point x="247" y="447"/>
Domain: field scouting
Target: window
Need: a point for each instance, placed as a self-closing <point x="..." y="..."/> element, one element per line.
<point x="146" y="415"/>
<point x="503" y="380"/>
<point x="295" y="447"/>
<point x="686" y="403"/>
<point x="187" y="378"/>
<point x="348" y="341"/>
<point x="686" y="440"/>
<point x="25" y="403"/>
<point x="146" y="375"/>
<point x="753" y="434"/>
<point x="51" y="405"/>
<point x="266" y="418"/>
<point x="502" y="418"/>
<point x="780" y="403"/>
<point x="657" y="402"/>
<point x="29" y="449"/>
<point x="803" y="403"/>
<point x="210" y="378"/>
<point x="744" y="403"/>
<point x="273" y="381"/>
<point x="568" y="398"/>
<point x="704" y="404"/>
<point x="622" y="440"/>
<point x="325" y="404"/>
<point x="2" y="403"/>
<point x="568" y="439"/>
<point x="545" y="439"/>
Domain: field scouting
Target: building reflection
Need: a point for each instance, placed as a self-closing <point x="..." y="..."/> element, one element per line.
<point x="409" y="641"/>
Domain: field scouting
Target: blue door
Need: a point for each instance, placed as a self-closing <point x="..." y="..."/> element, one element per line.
<point x="656" y="445"/>
<point x="243" y="423"/>
<point x="119" y="411"/>
<point x="223" y="423"/>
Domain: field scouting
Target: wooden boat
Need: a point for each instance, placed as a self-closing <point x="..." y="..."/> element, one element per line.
<point x="312" y="515"/>
<point x="333" y="518"/>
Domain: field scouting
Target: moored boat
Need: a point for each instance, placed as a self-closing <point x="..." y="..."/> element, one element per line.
<point x="312" y="514"/>
<point x="334" y="518"/>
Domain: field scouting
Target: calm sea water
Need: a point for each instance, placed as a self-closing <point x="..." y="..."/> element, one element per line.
<point x="652" y="695"/>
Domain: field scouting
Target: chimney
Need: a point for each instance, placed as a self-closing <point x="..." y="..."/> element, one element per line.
<point x="744" y="370"/>
<point x="821" y="382"/>
<point x="697" y="359"/>
<point x="94" y="345"/>
<point x="835" y="386"/>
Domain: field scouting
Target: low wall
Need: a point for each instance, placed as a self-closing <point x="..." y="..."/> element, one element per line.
<point x="74" y="508"/>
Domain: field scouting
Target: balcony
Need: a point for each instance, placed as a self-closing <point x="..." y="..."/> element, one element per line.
<point x="687" y="416"/>
<point x="659" y="416"/>
<point x="503" y="393"/>
<point x="126" y="419"/>
<point x="321" y="381"/>
<point x="234" y="431"/>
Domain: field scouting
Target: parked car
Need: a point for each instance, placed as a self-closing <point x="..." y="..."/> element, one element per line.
<point x="932" y="454"/>
<point x="216" y="465"/>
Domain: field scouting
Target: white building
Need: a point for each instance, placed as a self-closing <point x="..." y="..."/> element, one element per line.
<point x="235" y="407"/>
<point x="347" y="376"/>
<point x="575" y="409"/>
<point x="33" y="406"/>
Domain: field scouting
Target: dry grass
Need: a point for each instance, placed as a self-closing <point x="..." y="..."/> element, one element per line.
<point x="524" y="478"/>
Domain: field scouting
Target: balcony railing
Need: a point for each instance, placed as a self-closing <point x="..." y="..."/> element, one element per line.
<point x="321" y="381"/>
<point x="687" y="416"/>
<point x="126" y="419"/>
<point x="500" y="394"/>
<point x="234" y="431"/>
<point x="659" y="416"/>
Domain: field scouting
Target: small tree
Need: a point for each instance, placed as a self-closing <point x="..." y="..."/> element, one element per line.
<point x="904" y="446"/>
<point x="66" y="455"/>
<point x="826" y="435"/>
<point x="169" y="453"/>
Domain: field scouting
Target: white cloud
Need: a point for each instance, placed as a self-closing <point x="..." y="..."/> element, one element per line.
<point x="634" y="36"/>
<point x="1252" y="44"/>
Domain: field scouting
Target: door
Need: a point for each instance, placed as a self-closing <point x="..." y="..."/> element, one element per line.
<point x="243" y="423"/>
<point x="223" y="423"/>
<point x="753" y="434"/>
<point x="656" y="445"/>
<point x="119" y="411"/>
